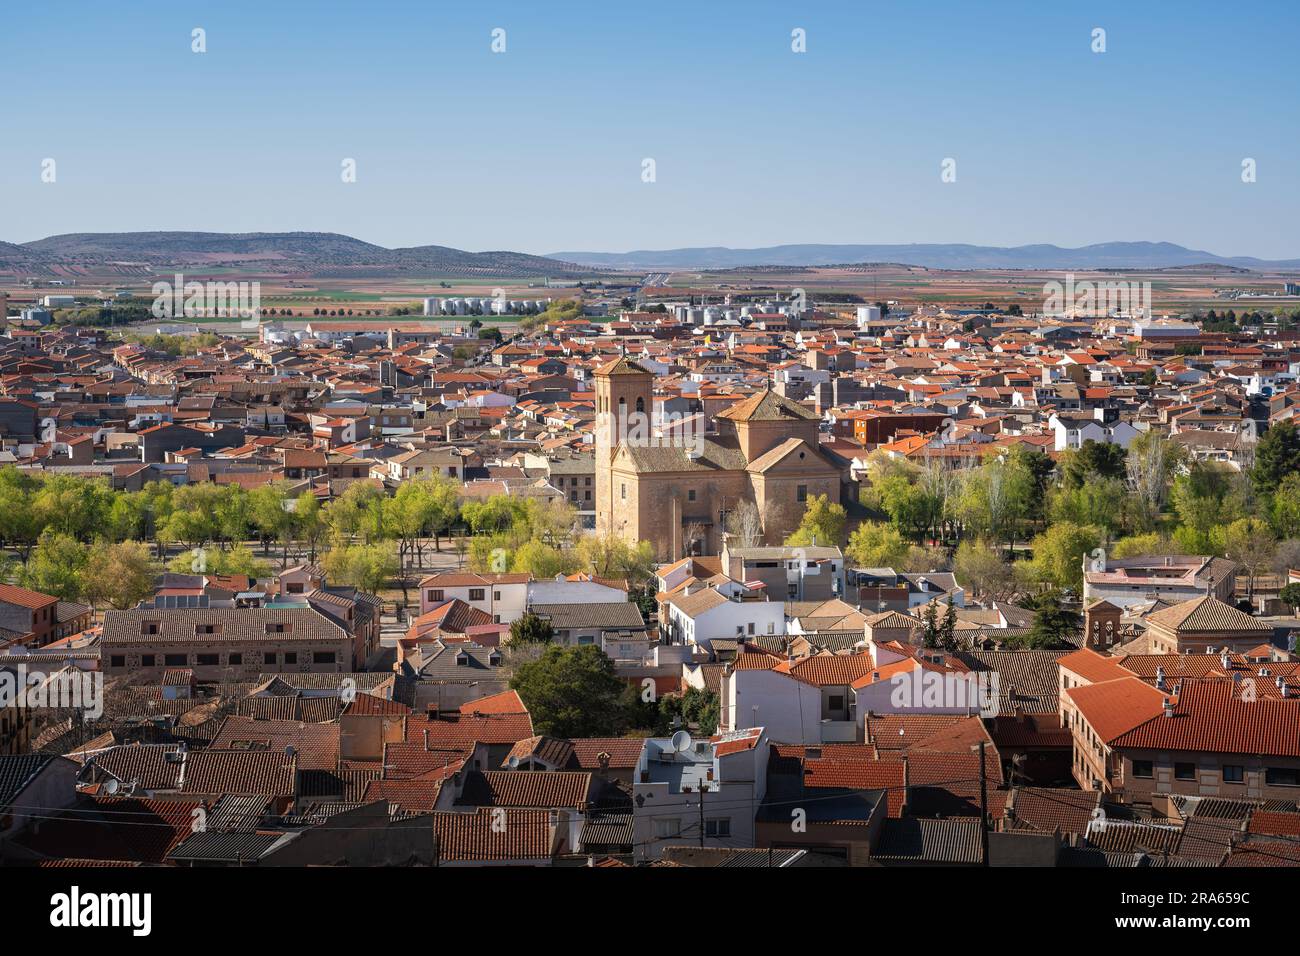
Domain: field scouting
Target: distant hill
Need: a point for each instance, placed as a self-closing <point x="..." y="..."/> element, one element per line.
<point x="312" y="252"/>
<point x="1106" y="255"/>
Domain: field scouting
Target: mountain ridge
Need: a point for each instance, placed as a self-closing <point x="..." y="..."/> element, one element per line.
<point x="293" y="251"/>
<point x="1105" y="255"/>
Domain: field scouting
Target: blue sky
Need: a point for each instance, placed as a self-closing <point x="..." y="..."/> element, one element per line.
<point x="540" y="149"/>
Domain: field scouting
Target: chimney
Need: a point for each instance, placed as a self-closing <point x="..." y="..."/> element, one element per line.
<point x="426" y="738"/>
<point x="1160" y="677"/>
<point x="1169" y="707"/>
<point x="907" y="779"/>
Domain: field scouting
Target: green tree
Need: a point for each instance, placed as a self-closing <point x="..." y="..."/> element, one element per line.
<point x="1059" y="552"/>
<point x="571" y="691"/>
<point x="55" y="566"/>
<point x="120" y="575"/>
<point x="1250" y="542"/>
<point x="531" y="629"/>
<point x="1093" y="459"/>
<point x="979" y="566"/>
<point x="822" y="524"/>
<point x="875" y="544"/>
<point x="1276" y="456"/>
<point x="366" y="566"/>
<point x="1053" y="625"/>
<point x="267" y="512"/>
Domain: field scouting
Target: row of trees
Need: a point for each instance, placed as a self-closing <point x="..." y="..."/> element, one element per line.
<point x="1151" y="498"/>
<point x="365" y="537"/>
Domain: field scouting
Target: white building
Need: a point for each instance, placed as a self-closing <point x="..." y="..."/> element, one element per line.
<point x="722" y="779"/>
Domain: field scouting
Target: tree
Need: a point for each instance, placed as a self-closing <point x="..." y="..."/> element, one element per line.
<point x="1053" y="624"/>
<point x="822" y="524"/>
<point x="531" y="629"/>
<point x="1250" y="543"/>
<point x="1276" y="456"/>
<point x="930" y="625"/>
<point x="1099" y="503"/>
<point x="1150" y="464"/>
<point x="948" y="629"/>
<point x="266" y="509"/>
<point x="352" y="513"/>
<point x="912" y="507"/>
<point x="571" y="691"/>
<point x="979" y="566"/>
<point x="1093" y="459"/>
<point x="55" y="566"/>
<point x="744" y="525"/>
<point x="874" y="544"/>
<point x="1059" y="552"/>
<point x="542" y="560"/>
<point x="120" y="575"/>
<point x="1290" y="595"/>
<point x="365" y="566"/>
<point x="309" y="525"/>
<point x="20" y="525"/>
<point x="1207" y="498"/>
<point x="611" y="557"/>
<point x="1153" y="542"/>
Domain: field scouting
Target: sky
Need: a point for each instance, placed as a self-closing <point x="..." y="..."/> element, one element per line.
<point x="542" y="148"/>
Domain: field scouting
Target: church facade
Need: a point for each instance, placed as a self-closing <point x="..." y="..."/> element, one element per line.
<point x="677" y="492"/>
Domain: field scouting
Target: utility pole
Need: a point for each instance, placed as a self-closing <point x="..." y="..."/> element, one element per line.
<point x="703" y="787"/>
<point x="984" y="810"/>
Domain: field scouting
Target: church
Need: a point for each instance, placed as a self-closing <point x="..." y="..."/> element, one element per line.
<point x="677" y="495"/>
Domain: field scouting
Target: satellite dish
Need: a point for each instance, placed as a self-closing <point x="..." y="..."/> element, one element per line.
<point x="681" y="741"/>
<point x="513" y="763"/>
<point x="111" y="787"/>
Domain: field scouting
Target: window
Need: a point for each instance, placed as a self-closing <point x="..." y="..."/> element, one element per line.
<point x="176" y="660"/>
<point x="148" y="627"/>
<point x="1143" y="768"/>
<point x="476" y="594"/>
<point x="205" y="629"/>
<point x="294" y="589"/>
<point x="690" y="495"/>
<point x="435" y="595"/>
<point x="720" y="827"/>
<point x="236" y="659"/>
<point x="622" y="490"/>
<point x="835" y="702"/>
<point x="290" y="657"/>
<point x="323" y="657"/>
<point x="209" y="660"/>
<point x="1233" y="774"/>
<point x="1184" y="771"/>
<point x="146" y="660"/>
<point x="1282" y="777"/>
<point x="668" y="827"/>
<point x="496" y="595"/>
<point x="269" y="657"/>
<point x="277" y="628"/>
<point x="117" y="660"/>
<point x="801" y="493"/>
